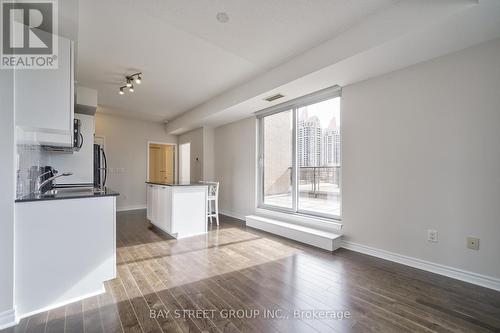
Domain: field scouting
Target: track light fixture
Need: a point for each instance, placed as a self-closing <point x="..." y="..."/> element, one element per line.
<point x="130" y="79"/>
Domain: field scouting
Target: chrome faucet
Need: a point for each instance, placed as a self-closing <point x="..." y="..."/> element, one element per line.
<point x="46" y="181"/>
<point x="54" y="172"/>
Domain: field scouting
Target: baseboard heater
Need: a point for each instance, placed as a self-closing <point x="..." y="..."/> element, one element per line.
<point x="318" y="238"/>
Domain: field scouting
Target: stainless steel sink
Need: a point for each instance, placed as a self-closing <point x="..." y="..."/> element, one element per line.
<point x="70" y="191"/>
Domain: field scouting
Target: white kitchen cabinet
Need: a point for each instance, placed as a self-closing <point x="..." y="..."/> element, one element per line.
<point x="162" y="209"/>
<point x="167" y="203"/>
<point x="64" y="251"/>
<point x="178" y="210"/>
<point x="156" y="207"/>
<point x="149" y="202"/>
<point x="44" y="101"/>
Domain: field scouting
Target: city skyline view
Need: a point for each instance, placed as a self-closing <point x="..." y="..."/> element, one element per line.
<point x="318" y="134"/>
<point x="318" y="147"/>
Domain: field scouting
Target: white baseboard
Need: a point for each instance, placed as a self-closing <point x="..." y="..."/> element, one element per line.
<point x="131" y="207"/>
<point x="8" y="319"/>
<point x="101" y="290"/>
<point x="455" y="273"/>
<point x="232" y="214"/>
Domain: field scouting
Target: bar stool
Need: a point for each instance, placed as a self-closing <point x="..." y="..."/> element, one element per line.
<point x="212" y="201"/>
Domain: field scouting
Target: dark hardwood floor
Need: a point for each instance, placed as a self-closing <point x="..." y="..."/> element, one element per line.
<point x="255" y="282"/>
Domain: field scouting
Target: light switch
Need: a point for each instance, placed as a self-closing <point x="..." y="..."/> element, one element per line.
<point x="432" y="235"/>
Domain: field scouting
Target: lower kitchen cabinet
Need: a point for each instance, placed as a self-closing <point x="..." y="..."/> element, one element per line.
<point x="64" y="251"/>
<point x="178" y="210"/>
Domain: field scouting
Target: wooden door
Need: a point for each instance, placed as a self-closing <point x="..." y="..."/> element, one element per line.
<point x="169" y="158"/>
<point x="161" y="163"/>
<point x="155" y="163"/>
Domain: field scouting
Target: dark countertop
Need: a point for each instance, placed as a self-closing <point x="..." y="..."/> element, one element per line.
<point x="70" y="194"/>
<point x="177" y="184"/>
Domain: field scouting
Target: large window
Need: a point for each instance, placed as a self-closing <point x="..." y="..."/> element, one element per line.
<point x="300" y="157"/>
<point x="278" y="134"/>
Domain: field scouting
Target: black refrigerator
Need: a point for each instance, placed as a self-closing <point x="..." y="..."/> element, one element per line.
<point x="100" y="166"/>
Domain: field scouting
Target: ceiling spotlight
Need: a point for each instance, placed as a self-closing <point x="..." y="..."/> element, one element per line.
<point x="130" y="80"/>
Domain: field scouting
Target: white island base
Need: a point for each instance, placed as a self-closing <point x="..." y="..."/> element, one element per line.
<point x="179" y="210"/>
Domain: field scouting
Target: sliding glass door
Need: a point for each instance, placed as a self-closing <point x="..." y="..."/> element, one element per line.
<point x="300" y="156"/>
<point x="318" y="146"/>
<point x="278" y="160"/>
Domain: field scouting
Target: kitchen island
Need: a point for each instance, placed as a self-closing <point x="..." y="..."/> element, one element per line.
<point x="65" y="247"/>
<point x="178" y="209"/>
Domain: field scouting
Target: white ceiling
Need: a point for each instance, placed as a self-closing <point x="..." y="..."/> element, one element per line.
<point x="409" y="32"/>
<point x="187" y="56"/>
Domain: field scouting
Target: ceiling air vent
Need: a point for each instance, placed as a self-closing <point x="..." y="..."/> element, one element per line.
<point x="274" y="97"/>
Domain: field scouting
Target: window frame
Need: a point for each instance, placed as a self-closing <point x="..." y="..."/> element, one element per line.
<point x="293" y="106"/>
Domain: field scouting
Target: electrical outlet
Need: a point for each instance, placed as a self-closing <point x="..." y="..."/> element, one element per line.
<point x="473" y="243"/>
<point x="432" y="235"/>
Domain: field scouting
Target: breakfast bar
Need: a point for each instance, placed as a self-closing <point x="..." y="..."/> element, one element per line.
<point x="178" y="209"/>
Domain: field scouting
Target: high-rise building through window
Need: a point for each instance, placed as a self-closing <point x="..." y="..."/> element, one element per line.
<point x="309" y="141"/>
<point x="317" y="146"/>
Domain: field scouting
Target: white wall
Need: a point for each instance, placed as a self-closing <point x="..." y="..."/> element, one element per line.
<point x="7" y="195"/>
<point x="126" y="145"/>
<point x="208" y="153"/>
<point x="421" y="150"/>
<point x="235" y="160"/>
<point x="195" y="138"/>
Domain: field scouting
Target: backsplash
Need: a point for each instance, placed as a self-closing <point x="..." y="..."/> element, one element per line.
<point x="27" y="157"/>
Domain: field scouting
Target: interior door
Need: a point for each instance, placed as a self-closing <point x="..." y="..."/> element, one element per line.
<point x="154" y="164"/>
<point x="161" y="163"/>
<point x="169" y="163"/>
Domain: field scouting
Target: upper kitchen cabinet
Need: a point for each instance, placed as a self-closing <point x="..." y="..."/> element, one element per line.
<point x="45" y="101"/>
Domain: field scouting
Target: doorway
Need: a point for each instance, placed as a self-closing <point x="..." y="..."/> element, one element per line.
<point x="161" y="163"/>
<point x="185" y="162"/>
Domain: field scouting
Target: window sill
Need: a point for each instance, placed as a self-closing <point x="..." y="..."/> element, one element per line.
<point x="320" y="223"/>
